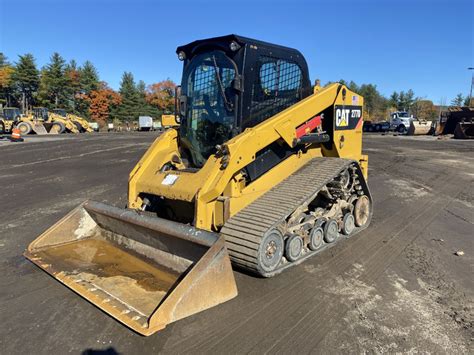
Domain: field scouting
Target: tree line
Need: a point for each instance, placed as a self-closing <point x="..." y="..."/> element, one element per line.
<point x="378" y="107"/>
<point x="79" y="90"/>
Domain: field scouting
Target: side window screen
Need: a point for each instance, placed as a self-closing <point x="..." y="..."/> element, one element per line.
<point x="278" y="87"/>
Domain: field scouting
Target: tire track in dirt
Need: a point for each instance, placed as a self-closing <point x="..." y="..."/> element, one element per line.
<point x="343" y="261"/>
<point x="375" y="266"/>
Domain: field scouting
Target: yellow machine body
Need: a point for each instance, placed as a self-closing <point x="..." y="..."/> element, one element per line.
<point x="218" y="194"/>
<point x="168" y="121"/>
<point x="168" y="255"/>
<point x="82" y="125"/>
<point x="68" y="124"/>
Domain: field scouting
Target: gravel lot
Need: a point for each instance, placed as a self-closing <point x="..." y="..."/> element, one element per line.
<point x="396" y="287"/>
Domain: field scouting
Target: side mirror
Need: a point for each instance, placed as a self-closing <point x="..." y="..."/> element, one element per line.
<point x="183" y="105"/>
<point x="180" y="104"/>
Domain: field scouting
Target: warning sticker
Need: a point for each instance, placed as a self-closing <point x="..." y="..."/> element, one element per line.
<point x="169" y="179"/>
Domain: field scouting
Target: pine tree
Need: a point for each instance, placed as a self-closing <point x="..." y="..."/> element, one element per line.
<point x="54" y="83"/>
<point x="89" y="78"/>
<point x="145" y="109"/>
<point x="26" y="80"/>
<point x="88" y="82"/>
<point x="3" y="60"/>
<point x="129" y="110"/>
<point x="458" y="100"/>
<point x="394" y="99"/>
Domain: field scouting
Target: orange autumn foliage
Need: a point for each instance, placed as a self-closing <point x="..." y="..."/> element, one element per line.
<point x="101" y="102"/>
<point x="6" y="76"/>
<point x="74" y="76"/>
<point x="161" y="95"/>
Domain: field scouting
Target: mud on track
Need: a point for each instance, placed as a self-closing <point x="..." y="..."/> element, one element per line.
<point x="395" y="287"/>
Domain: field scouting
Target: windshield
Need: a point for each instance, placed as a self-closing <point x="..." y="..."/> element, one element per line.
<point x="403" y="114"/>
<point x="41" y="113"/>
<point x="60" y="112"/>
<point x="11" y="114"/>
<point x="210" y="115"/>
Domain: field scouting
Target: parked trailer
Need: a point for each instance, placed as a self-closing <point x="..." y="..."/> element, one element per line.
<point x="145" y="123"/>
<point x="370" y="126"/>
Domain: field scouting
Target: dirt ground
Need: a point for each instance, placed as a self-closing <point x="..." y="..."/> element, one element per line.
<point x="396" y="287"/>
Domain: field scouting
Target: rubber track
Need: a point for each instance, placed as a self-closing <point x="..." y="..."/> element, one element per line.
<point x="244" y="231"/>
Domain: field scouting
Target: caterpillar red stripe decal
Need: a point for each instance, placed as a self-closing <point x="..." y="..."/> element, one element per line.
<point x="307" y="127"/>
<point x="359" y="124"/>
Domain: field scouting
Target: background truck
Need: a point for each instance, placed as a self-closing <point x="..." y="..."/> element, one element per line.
<point x="145" y="123"/>
<point x="157" y="125"/>
<point x="400" y="121"/>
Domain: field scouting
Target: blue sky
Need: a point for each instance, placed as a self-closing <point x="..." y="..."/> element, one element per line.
<point x="423" y="45"/>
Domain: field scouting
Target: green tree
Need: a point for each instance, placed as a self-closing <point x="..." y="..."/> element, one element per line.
<point x="54" y="83"/>
<point x="353" y="86"/>
<point x="130" y="108"/>
<point x="88" y="81"/>
<point x="145" y="108"/>
<point x="458" y="100"/>
<point x="26" y="80"/>
<point x="467" y="103"/>
<point x="89" y="78"/>
<point x="3" y="60"/>
<point x="394" y="99"/>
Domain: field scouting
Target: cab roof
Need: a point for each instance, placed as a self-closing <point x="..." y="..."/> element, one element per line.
<point x="224" y="41"/>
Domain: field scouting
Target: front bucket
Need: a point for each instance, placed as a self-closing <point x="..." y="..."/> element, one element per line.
<point x="418" y="128"/>
<point x="464" y="130"/>
<point x="144" y="271"/>
<point x="39" y="129"/>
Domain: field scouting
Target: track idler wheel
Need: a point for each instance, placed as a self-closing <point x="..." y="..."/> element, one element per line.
<point x="348" y="224"/>
<point x="331" y="231"/>
<point x="270" y="251"/>
<point x="361" y="211"/>
<point x="293" y="247"/>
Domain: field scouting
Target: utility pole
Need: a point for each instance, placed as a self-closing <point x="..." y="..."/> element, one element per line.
<point x="472" y="81"/>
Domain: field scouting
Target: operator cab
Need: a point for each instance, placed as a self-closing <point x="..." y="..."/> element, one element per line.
<point x="11" y="114"/>
<point x="231" y="83"/>
<point x="41" y="113"/>
<point x="60" y="111"/>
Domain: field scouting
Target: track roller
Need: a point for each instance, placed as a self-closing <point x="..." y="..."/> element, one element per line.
<point x="293" y="247"/>
<point x="348" y="224"/>
<point x="331" y="231"/>
<point x="316" y="238"/>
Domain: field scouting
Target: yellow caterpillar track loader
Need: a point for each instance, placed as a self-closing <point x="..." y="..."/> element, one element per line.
<point x="263" y="172"/>
<point x="81" y="124"/>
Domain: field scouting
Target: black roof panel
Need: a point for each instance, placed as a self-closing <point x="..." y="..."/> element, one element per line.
<point x="225" y="40"/>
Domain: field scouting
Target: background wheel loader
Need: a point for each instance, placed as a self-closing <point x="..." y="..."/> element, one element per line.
<point x="8" y="117"/>
<point x="458" y="121"/>
<point x="264" y="171"/>
<point x="82" y="124"/>
<point x="12" y="117"/>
